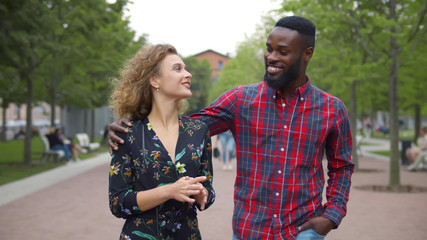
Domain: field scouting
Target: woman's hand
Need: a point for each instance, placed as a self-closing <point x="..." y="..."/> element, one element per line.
<point x="113" y="139"/>
<point x="185" y="187"/>
<point x="202" y="198"/>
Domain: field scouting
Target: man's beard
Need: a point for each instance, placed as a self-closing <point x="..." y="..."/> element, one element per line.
<point x="290" y="75"/>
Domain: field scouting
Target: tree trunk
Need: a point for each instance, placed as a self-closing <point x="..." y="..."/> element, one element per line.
<point x="86" y="121"/>
<point x="92" y="124"/>
<point x="3" y="127"/>
<point x="52" y="96"/>
<point x="28" y="130"/>
<point x="394" y="106"/>
<point x="353" y="123"/>
<point x="417" y="121"/>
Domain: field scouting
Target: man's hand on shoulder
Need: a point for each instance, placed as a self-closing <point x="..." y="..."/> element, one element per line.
<point x="116" y="126"/>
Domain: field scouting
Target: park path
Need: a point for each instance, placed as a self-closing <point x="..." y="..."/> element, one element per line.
<point x="71" y="203"/>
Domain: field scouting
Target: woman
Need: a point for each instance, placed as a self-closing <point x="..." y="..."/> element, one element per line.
<point x="164" y="170"/>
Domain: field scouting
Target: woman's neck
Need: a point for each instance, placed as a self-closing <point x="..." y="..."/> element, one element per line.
<point x="165" y="115"/>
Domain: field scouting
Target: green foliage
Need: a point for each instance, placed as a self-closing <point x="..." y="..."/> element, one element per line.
<point x="246" y="68"/>
<point x="201" y="82"/>
<point x="369" y="44"/>
<point x="63" y="51"/>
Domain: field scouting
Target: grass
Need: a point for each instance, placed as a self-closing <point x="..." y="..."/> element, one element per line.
<point x="403" y="134"/>
<point x="384" y="153"/>
<point x="13" y="168"/>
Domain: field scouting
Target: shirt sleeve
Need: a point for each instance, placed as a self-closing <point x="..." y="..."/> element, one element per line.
<point x="207" y="170"/>
<point x="122" y="197"/>
<point x="219" y="116"/>
<point x="340" y="167"/>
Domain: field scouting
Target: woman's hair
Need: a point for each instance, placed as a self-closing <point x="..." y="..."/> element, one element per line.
<point x="132" y="96"/>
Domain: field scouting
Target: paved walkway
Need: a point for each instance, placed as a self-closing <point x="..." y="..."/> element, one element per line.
<point x="71" y="203"/>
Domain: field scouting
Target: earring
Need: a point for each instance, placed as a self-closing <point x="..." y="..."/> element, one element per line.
<point x="157" y="89"/>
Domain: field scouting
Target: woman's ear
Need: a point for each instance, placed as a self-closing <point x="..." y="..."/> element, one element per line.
<point x="154" y="82"/>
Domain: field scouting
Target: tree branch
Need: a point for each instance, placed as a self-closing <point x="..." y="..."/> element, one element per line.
<point x="420" y="20"/>
<point x="413" y="47"/>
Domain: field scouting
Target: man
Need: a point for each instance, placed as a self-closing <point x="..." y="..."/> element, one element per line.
<point x="283" y="126"/>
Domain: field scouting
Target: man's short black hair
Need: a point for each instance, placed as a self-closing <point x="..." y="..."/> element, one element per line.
<point x="302" y="25"/>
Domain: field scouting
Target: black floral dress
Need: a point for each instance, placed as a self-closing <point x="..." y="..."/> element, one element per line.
<point x="136" y="168"/>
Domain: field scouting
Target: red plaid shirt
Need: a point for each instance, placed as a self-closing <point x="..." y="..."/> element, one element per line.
<point x="280" y="147"/>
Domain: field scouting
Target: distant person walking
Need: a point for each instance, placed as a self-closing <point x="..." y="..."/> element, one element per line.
<point x="228" y="151"/>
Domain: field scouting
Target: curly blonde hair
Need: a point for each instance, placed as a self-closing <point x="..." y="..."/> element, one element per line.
<point x="132" y="96"/>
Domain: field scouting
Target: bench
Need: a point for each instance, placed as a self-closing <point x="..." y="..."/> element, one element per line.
<point x="83" y="140"/>
<point x="48" y="153"/>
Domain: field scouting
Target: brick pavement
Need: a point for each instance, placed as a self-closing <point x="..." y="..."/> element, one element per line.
<point x="77" y="208"/>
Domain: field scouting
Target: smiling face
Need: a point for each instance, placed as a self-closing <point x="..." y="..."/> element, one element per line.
<point x="173" y="80"/>
<point x="285" y="59"/>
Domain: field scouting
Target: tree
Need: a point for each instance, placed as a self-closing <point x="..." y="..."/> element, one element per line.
<point x="247" y="67"/>
<point x="11" y="91"/>
<point x="375" y="23"/>
<point x="104" y="45"/>
<point x="201" y="82"/>
<point x="24" y="26"/>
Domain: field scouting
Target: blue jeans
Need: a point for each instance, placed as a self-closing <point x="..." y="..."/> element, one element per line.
<point x="308" y="234"/>
<point x="65" y="148"/>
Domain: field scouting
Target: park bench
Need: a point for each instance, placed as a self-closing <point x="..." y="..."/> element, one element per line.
<point x="83" y="140"/>
<point x="49" y="153"/>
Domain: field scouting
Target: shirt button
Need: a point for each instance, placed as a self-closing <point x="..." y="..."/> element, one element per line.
<point x="302" y="99"/>
<point x="285" y="127"/>
<point x="274" y="96"/>
<point x="275" y="215"/>
<point x="282" y="149"/>
<point x="277" y="194"/>
<point x="279" y="172"/>
<point x="283" y="105"/>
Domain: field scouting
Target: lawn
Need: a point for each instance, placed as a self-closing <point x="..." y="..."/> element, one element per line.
<point x="12" y="167"/>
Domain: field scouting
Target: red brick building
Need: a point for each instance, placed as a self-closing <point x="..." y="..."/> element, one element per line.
<point x="217" y="60"/>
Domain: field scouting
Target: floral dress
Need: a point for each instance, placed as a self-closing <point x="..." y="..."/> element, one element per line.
<point x="143" y="163"/>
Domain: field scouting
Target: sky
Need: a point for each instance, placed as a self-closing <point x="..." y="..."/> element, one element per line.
<point x="193" y="26"/>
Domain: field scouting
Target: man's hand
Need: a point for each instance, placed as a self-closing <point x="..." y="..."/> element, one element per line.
<point x="114" y="127"/>
<point x="319" y="224"/>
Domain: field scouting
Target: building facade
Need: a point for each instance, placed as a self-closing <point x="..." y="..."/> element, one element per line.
<point x="217" y="61"/>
